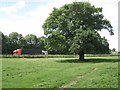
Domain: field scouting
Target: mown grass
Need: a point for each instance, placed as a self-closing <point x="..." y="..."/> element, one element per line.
<point x="96" y="72"/>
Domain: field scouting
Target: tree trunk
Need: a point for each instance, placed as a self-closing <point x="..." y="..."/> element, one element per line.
<point x="81" y="56"/>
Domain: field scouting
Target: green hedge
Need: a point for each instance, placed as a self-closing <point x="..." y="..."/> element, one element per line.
<point x="100" y="55"/>
<point x="38" y="56"/>
<point x="56" y="56"/>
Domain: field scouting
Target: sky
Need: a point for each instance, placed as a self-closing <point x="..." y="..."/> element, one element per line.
<point x="28" y="16"/>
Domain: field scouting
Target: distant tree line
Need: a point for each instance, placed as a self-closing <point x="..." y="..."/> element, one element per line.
<point x="15" y="40"/>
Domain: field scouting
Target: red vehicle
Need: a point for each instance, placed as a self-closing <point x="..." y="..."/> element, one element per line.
<point x="17" y="52"/>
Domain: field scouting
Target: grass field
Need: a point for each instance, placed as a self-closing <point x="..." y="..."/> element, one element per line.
<point x="96" y="72"/>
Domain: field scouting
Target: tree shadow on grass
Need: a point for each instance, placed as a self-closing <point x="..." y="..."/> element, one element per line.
<point x="92" y="60"/>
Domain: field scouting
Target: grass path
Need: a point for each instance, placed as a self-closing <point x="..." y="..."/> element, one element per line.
<point x="73" y="82"/>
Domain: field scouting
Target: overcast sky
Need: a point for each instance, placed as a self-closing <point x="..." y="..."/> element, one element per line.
<point x="27" y="16"/>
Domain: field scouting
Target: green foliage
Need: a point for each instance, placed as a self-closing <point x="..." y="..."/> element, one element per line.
<point x="4" y="43"/>
<point x="1" y="35"/>
<point x="76" y="21"/>
<point x="40" y="43"/>
<point x="113" y="50"/>
<point x="31" y="40"/>
<point x="90" y="41"/>
<point x="15" y="40"/>
<point x="57" y="72"/>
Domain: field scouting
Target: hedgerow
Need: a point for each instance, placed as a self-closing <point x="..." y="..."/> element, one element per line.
<point x="56" y="56"/>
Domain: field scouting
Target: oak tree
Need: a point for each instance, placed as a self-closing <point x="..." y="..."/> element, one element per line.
<point x="74" y="27"/>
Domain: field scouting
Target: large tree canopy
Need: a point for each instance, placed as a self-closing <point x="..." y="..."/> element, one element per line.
<point x="73" y="27"/>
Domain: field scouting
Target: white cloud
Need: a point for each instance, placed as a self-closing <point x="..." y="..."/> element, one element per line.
<point x="13" y="8"/>
<point x="42" y="12"/>
<point x="23" y="26"/>
<point x="8" y="9"/>
<point x="33" y="23"/>
<point x="20" y="4"/>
